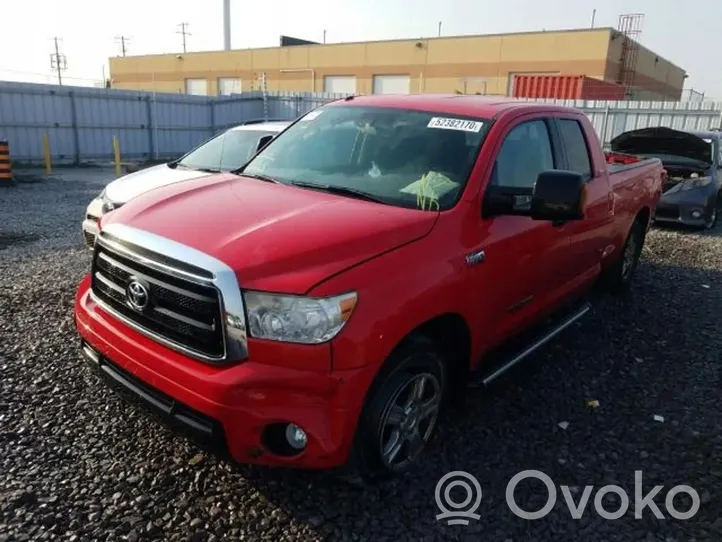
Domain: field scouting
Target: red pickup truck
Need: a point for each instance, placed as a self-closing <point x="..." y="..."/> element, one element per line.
<point x="319" y="307"/>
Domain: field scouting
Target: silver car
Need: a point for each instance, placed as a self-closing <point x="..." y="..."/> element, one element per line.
<point x="224" y="152"/>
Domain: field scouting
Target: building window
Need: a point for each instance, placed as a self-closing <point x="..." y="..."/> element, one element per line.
<point x="198" y="87"/>
<point x="229" y="85"/>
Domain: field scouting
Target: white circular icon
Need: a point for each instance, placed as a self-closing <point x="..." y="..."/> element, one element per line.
<point x="456" y="512"/>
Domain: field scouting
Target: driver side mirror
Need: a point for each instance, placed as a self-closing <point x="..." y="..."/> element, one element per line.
<point x="558" y="196"/>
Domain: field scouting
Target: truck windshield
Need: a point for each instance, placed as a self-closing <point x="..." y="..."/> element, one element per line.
<point x="225" y="152"/>
<point x="405" y="158"/>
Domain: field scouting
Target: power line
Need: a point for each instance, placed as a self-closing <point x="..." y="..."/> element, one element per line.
<point x="122" y="41"/>
<point x="58" y="61"/>
<point x="46" y="75"/>
<point x="184" y="32"/>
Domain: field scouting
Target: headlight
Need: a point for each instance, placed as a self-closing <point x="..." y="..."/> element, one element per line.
<point x="95" y="208"/>
<point x="297" y="319"/>
<point x="107" y="204"/>
<point x="706" y="181"/>
<point x="696" y="183"/>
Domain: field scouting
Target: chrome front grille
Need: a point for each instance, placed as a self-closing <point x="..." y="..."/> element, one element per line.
<point x="89" y="237"/>
<point x="182" y="312"/>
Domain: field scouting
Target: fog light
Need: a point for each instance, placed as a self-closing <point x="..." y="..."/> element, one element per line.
<point x="296" y="436"/>
<point x="696" y="214"/>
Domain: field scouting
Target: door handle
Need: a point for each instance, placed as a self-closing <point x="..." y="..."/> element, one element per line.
<point x="559" y="223"/>
<point x="475" y="258"/>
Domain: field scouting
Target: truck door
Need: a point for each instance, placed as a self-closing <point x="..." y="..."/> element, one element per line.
<point x="521" y="266"/>
<point x="588" y="237"/>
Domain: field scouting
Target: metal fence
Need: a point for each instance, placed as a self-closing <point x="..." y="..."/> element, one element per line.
<point x="80" y="122"/>
<point x="613" y="118"/>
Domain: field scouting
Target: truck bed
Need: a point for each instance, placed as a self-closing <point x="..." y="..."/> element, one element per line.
<point x="619" y="162"/>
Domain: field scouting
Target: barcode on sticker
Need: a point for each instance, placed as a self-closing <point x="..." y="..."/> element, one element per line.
<point x="455" y="124"/>
<point x="312" y="115"/>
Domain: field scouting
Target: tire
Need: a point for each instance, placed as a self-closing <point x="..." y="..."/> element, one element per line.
<point x="618" y="277"/>
<point x="395" y="426"/>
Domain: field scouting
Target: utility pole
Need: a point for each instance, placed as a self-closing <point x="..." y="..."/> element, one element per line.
<point x="439" y="28"/>
<point x="324" y="36"/>
<point x="594" y="16"/>
<point x="58" y="61"/>
<point x="184" y="32"/>
<point x="122" y="40"/>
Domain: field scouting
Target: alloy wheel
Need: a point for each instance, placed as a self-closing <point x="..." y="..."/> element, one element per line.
<point x="408" y="420"/>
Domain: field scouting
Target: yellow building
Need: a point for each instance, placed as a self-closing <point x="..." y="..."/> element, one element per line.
<point x="469" y="64"/>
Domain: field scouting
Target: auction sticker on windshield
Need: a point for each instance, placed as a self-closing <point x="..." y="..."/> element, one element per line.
<point x="455" y="124"/>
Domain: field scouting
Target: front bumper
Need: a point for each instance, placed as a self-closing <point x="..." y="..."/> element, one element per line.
<point x="680" y="213"/>
<point x="231" y="406"/>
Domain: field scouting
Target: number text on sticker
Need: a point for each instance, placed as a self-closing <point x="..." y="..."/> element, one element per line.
<point x="455" y="124"/>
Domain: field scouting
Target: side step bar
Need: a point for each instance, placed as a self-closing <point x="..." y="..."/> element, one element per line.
<point x="511" y="359"/>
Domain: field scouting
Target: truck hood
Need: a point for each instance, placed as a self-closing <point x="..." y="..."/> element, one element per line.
<point x="662" y="140"/>
<point x="133" y="185"/>
<point x="277" y="238"/>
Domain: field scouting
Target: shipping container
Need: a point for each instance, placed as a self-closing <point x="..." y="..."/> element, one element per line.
<point x="566" y="87"/>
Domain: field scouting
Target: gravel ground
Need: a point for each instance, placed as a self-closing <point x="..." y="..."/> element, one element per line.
<point x="78" y="463"/>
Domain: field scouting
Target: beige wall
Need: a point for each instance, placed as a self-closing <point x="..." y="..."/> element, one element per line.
<point x="473" y="63"/>
<point x="655" y="77"/>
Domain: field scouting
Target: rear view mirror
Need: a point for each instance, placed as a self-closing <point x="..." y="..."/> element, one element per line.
<point x="558" y="196"/>
<point x="263" y="141"/>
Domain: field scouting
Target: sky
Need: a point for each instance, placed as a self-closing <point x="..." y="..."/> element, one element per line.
<point x="688" y="37"/>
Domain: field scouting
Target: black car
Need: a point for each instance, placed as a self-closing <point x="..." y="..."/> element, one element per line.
<point x="693" y="160"/>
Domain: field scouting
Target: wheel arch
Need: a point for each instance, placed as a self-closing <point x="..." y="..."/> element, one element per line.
<point x="644" y="215"/>
<point x="451" y="335"/>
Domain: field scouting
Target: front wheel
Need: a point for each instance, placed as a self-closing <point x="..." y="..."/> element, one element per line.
<point x="401" y="412"/>
<point x="619" y="276"/>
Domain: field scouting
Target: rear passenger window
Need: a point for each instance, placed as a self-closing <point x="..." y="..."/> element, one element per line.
<point x="575" y="146"/>
<point x="525" y="153"/>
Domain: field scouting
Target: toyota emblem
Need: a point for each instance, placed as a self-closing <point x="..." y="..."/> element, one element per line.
<point x="137" y="295"/>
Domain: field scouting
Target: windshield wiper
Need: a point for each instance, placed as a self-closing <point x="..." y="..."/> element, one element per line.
<point x="340" y="190"/>
<point x="175" y="164"/>
<point x="260" y="177"/>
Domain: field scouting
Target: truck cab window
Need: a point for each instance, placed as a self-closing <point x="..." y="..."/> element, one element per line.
<point x="576" y="147"/>
<point x="525" y="153"/>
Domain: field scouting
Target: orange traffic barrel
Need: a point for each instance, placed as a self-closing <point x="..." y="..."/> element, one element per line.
<point x="6" y="171"/>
